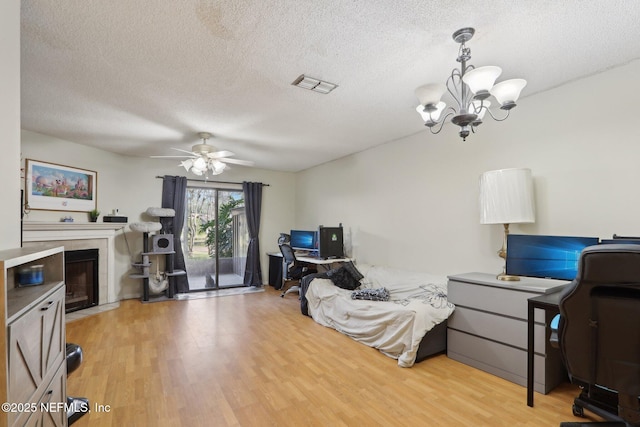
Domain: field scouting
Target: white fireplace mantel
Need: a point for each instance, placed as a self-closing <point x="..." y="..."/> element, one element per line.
<point x="35" y="233"/>
<point x="37" y="230"/>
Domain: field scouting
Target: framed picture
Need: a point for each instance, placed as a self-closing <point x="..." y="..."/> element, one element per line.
<point x="54" y="187"/>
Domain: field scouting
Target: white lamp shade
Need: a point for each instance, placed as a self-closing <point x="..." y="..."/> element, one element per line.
<point x="482" y="78"/>
<point x="217" y="167"/>
<point x="435" y="115"/>
<point x="506" y="197"/>
<point x="508" y="90"/>
<point x="430" y="93"/>
<point x="200" y="164"/>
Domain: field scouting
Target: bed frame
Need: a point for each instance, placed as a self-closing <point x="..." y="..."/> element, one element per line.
<point x="433" y="342"/>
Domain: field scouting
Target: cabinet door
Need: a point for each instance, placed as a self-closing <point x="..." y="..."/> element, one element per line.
<point x="36" y="348"/>
<point x="53" y="399"/>
<point x="53" y="332"/>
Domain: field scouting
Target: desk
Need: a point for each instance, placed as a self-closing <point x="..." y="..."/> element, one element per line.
<point x="550" y="304"/>
<point x="276" y="278"/>
<point x="326" y="263"/>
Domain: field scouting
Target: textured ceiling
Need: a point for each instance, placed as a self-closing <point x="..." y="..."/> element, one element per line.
<point x="138" y="77"/>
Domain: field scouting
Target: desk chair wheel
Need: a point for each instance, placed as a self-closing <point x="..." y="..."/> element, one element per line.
<point x="294" y="288"/>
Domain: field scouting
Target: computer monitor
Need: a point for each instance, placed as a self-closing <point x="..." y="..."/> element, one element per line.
<point x="330" y="242"/>
<point x="303" y="240"/>
<point x="551" y="257"/>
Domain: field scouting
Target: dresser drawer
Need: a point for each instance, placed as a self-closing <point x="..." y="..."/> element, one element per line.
<point x="496" y="328"/>
<point x="497" y="359"/>
<point x="504" y="301"/>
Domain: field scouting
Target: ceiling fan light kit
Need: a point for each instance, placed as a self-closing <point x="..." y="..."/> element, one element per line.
<point x="470" y="88"/>
<point x="204" y="159"/>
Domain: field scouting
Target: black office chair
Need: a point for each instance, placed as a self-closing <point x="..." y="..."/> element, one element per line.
<point x="292" y="271"/>
<point x="599" y="334"/>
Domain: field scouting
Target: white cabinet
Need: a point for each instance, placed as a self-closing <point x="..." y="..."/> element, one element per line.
<point x="488" y="329"/>
<point x="33" y="340"/>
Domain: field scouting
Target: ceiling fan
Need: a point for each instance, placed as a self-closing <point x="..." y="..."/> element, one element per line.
<point x="203" y="158"/>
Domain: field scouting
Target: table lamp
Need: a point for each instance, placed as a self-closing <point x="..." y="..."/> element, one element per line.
<point x="506" y="197"/>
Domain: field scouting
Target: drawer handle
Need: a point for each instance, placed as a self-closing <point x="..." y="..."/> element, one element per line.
<point x="47" y="307"/>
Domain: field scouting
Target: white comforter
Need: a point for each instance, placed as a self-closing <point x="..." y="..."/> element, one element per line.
<point x="395" y="327"/>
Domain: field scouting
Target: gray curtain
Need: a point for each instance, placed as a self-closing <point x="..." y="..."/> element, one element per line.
<point x="253" y="206"/>
<point x="174" y="190"/>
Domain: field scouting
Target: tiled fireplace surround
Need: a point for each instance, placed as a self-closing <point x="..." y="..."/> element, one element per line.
<point x="75" y="236"/>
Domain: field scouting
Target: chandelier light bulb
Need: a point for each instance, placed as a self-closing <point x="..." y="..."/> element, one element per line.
<point x="431" y="117"/>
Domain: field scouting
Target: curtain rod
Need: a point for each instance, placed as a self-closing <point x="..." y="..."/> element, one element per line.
<point x="210" y="180"/>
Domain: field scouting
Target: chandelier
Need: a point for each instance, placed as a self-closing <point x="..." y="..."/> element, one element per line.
<point x="470" y="88"/>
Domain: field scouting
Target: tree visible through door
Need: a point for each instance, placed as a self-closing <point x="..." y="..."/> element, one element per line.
<point x="215" y="238"/>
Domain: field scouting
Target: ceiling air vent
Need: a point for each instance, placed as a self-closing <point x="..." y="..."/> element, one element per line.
<point x="315" y="85"/>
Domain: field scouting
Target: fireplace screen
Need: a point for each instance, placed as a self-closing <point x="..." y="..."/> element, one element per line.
<point x="81" y="278"/>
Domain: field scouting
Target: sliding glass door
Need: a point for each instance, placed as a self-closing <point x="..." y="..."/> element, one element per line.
<point x="215" y="238"/>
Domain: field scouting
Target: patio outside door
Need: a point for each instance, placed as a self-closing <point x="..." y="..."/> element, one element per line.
<point x="215" y="238"/>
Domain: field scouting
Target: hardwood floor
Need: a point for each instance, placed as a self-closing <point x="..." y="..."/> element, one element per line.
<point x="254" y="360"/>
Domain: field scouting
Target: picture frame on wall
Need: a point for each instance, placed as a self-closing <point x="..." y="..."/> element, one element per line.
<point x="54" y="187"/>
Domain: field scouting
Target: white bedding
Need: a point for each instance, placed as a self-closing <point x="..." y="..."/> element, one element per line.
<point x="418" y="303"/>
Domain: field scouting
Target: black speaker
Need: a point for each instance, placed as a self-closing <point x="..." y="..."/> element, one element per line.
<point x="162" y="243"/>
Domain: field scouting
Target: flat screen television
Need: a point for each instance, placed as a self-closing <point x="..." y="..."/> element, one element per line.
<point x="551" y="257"/>
<point x="330" y="242"/>
<point x="303" y="240"/>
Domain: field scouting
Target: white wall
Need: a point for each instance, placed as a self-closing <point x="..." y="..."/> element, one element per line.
<point x="412" y="203"/>
<point x="10" y="123"/>
<point x="129" y="184"/>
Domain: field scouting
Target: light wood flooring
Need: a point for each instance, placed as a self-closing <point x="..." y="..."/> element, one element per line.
<point x="254" y="360"/>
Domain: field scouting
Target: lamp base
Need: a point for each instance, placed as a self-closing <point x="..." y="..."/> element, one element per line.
<point x="507" y="277"/>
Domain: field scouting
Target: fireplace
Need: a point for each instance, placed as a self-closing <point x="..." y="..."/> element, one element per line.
<point x="81" y="278"/>
<point x="84" y="235"/>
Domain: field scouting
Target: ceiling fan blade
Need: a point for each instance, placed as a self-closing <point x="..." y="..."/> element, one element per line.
<point x="184" y="151"/>
<point x="237" y="162"/>
<point x="171" y="157"/>
<point x="220" y="154"/>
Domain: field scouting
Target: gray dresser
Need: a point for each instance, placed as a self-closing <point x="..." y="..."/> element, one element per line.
<point x="488" y="329"/>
